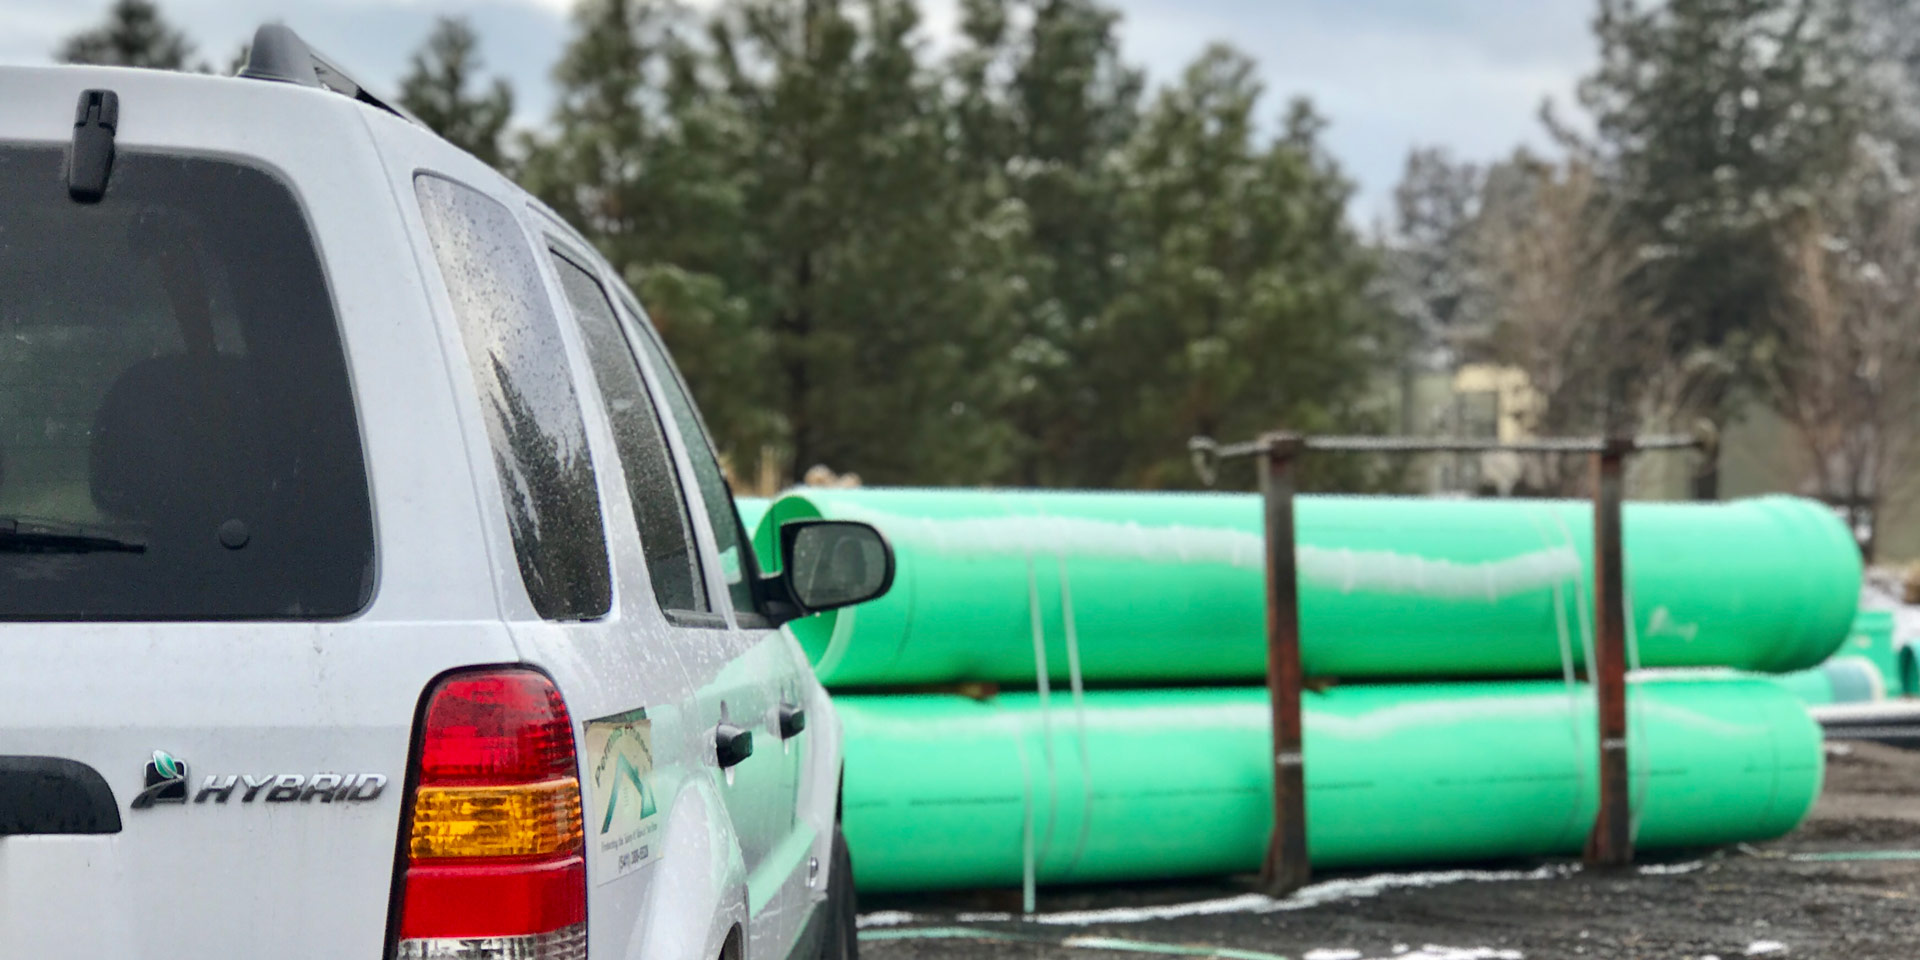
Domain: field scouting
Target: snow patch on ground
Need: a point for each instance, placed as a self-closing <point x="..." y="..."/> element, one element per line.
<point x="1669" y="869"/>
<point x="1760" y="948"/>
<point x="1306" y="898"/>
<point x="1431" y="952"/>
<point x="883" y="918"/>
<point x="1428" y="952"/>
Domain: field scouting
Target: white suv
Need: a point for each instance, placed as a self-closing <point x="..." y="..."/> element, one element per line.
<point x="368" y="584"/>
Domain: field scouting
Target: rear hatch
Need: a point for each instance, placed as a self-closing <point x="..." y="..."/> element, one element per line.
<point x="204" y="728"/>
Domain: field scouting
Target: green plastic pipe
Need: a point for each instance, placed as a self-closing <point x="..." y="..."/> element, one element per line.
<point x="1842" y="679"/>
<point x="1812" y="687"/>
<point x="946" y="792"/>
<point x="752" y="511"/>
<point x="1169" y="587"/>
<point x="1872" y="639"/>
<point x="1868" y="668"/>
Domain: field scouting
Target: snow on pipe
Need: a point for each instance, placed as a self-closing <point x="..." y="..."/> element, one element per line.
<point x="1178" y="782"/>
<point x="1168" y="587"/>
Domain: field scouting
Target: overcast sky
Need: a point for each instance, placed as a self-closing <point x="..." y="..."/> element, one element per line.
<point x="1469" y="75"/>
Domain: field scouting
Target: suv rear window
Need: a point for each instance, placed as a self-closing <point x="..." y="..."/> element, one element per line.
<point x="177" y="431"/>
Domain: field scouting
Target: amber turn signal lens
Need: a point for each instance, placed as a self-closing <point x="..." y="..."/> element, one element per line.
<point x="527" y="820"/>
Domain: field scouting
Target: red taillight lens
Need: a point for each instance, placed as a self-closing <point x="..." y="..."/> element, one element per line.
<point x="502" y="727"/>
<point x="470" y="901"/>
<point x="494" y="840"/>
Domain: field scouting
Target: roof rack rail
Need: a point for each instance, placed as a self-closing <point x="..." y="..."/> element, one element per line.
<point x="278" y="54"/>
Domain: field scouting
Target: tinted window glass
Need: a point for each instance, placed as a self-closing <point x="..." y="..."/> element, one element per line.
<point x="177" y="430"/>
<point x="666" y="532"/>
<point x="526" y="392"/>
<point x="736" y="552"/>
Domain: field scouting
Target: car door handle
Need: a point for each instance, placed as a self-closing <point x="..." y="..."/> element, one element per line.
<point x="731" y="744"/>
<point x="792" y="720"/>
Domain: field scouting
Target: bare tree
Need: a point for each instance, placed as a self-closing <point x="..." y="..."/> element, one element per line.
<point x="1846" y="372"/>
<point x="1596" y="355"/>
<point x="1430" y="276"/>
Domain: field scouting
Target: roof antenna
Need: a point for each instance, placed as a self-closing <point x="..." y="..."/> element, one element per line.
<point x="90" y="161"/>
<point x="279" y="54"/>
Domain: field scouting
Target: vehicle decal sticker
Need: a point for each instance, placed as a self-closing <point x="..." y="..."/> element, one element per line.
<point x="624" y="823"/>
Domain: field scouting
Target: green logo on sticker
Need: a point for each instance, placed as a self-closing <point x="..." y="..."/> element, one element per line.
<point x="624" y="773"/>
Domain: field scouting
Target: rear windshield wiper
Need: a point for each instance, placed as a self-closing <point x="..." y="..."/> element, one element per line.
<point x="34" y="535"/>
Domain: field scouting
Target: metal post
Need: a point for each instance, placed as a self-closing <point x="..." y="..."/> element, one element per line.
<point x="1611" y="842"/>
<point x="1285" y="868"/>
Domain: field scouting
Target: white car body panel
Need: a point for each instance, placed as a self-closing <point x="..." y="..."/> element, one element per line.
<point x="274" y="697"/>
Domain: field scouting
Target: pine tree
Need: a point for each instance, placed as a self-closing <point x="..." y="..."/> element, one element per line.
<point x="644" y="156"/>
<point x="134" y="34"/>
<point x="859" y="252"/>
<point x="1044" y="105"/>
<point x="978" y="271"/>
<point x="435" y="89"/>
<point x="1246" y="302"/>
<point x="1719" y="125"/>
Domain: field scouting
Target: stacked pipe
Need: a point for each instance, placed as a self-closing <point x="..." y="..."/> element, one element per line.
<point x="1872" y="640"/>
<point x="1118" y="640"/>
<point x="1867" y="669"/>
<point x="752" y="510"/>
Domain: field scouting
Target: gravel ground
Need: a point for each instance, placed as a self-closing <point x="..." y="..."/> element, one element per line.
<point x="1816" y="893"/>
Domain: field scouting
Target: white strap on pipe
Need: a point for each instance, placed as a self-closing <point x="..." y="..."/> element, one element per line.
<point x="1034" y="849"/>
<point x="1580" y="596"/>
<point x="1567" y="671"/>
<point x="1045" y="689"/>
<point x="1037" y="848"/>
<point x="1637" y="731"/>
<point x="1075" y="685"/>
<point x="1026" y="823"/>
<point x="1584" y="619"/>
<point x="1079" y="713"/>
<point x="1572" y="683"/>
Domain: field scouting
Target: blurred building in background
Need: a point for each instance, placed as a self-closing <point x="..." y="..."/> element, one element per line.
<point x="1760" y="454"/>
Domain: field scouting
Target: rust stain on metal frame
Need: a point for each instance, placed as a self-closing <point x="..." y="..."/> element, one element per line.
<point x="1286" y="866"/>
<point x="1611" y="842"/>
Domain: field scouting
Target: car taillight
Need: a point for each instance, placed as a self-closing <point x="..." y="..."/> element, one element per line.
<point x="495" y="864"/>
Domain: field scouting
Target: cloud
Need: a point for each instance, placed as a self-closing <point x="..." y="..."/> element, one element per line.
<point x="1390" y="74"/>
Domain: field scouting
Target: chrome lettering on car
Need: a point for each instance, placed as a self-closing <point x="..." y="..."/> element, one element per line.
<point x="166" y="782"/>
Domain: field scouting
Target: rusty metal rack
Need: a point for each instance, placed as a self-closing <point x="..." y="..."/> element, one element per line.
<point x="1610" y="843"/>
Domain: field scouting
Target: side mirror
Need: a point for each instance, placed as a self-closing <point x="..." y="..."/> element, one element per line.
<point x="829" y="564"/>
